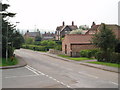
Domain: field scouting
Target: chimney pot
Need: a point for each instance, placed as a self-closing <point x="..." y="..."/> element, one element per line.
<point x="72" y="23"/>
<point x="63" y="23"/>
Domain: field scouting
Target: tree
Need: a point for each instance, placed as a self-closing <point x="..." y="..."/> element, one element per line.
<point x="105" y="40"/>
<point x="38" y="38"/>
<point x="78" y="31"/>
<point x="17" y="40"/>
<point x="10" y="37"/>
<point x="29" y="40"/>
<point x="84" y="27"/>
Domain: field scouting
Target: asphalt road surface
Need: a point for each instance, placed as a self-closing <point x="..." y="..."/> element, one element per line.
<point x="46" y="72"/>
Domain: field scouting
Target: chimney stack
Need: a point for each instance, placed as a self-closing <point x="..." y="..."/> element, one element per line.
<point x="63" y="23"/>
<point x="93" y="24"/>
<point x="27" y="31"/>
<point x="72" y="23"/>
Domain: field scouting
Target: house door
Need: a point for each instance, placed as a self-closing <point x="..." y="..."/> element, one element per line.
<point x="65" y="49"/>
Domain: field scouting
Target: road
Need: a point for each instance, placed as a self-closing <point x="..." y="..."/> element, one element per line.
<point x="46" y="72"/>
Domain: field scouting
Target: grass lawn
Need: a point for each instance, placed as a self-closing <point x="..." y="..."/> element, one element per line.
<point x="105" y="63"/>
<point x="8" y="63"/>
<point x="75" y="58"/>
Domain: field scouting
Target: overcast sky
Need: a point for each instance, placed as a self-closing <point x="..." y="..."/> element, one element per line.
<point x="48" y="14"/>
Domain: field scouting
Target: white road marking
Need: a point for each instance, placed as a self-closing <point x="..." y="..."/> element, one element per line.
<point x="21" y="76"/>
<point x="88" y="75"/>
<point x="54" y="79"/>
<point x="63" y="83"/>
<point x="114" y="83"/>
<point x="58" y="81"/>
<point x="36" y="71"/>
<point x="50" y="77"/>
<point x="46" y="75"/>
<point x="32" y="71"/>
<point x="68" y="86"/>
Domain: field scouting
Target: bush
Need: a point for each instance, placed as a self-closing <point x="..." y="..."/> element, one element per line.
<point x="99" y="56"/>
<point x="88" y="53"/>
<point x="58" y="47"/>
<point x="83" y="53"/>
<point x="111" y="57"/>
<point x="115" y="58"/>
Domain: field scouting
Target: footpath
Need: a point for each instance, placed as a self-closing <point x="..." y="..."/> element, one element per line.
<point x="103" y="67"/>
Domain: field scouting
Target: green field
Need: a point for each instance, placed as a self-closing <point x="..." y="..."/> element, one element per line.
<point x="3" y="62"/>
<point x="105" y="63"/>
<point x="75" y="58"/>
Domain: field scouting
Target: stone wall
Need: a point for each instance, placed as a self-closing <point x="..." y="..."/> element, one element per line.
<point x="53" y="51"/>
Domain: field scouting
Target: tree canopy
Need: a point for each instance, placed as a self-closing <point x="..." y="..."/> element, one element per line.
<point x="106" y="40"/>
<point x="11" y="38"/>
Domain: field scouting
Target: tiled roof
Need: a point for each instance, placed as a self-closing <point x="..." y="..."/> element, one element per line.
<point x="48" y="35"/>
<point x="72" y="27"/>
<point x="93" y="28"/>
<point x="59" y="27"/>
<point x="77" y="38"/>
<point x="96" y="27"/>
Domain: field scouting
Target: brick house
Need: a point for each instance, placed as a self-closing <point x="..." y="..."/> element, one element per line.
<point x="48" y="36"/>
<point x="64" y="29"/>
<point x="73" y="43"/>
<point x="31" y="34"/>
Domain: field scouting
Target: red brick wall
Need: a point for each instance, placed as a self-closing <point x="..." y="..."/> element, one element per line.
<point x="67" y="45"/>
<point x="77" y="48"/>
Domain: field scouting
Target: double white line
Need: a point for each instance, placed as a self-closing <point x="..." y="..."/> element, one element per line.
<point x="34" y="70"/>
<point x="40" y="73"/>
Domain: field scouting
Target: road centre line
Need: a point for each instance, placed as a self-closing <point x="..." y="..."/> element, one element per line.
<point x="114" y="83"/>
<point x="88" y="75"/>
<point x="35" y="70"/>
<point x="48" y="76"/>
<point x="32" y="70"/>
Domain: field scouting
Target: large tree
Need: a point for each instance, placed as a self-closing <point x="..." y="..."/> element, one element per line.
<point x="106" y="40"/>
<point x="10" y="37"/>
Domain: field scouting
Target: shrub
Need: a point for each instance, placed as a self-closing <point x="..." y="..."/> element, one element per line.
<point x="58" y="47"/>
<point x="88" y="53"/>
<point x="115" y="57"/>
<point x="85" y="53"/>
<point x="99" y="56"/>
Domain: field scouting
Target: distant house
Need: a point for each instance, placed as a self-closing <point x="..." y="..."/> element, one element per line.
<point x="31" y="34"/>
<point x="48" y="36"/>
<point x="73" y="43"/>
<point x="64" y="29"/>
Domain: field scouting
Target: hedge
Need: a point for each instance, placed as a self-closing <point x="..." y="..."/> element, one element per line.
<point x="35" y="47"/>
<point x="112" y="57"/>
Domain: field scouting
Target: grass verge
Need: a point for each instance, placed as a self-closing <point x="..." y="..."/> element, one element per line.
<point x="3" y="62"/>
<point x="105" y="63"/>
<point x="75" y="58"/>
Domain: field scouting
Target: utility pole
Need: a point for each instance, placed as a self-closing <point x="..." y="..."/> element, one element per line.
<point x="7" y="44"/>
